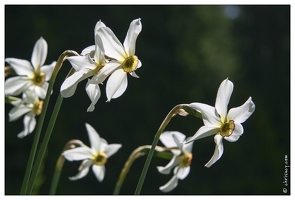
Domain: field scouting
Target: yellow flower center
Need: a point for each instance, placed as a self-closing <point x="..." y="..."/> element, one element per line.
<point x="37" y="107"/>
<point x="186" y="159"/>
<point x="227" y="128"/>
<point x="100" y="158"/>
<point x="130" y="64"/>
<point x="38" y="78"/>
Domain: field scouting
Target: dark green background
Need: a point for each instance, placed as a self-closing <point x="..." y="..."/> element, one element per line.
<point x="186" y="52"/>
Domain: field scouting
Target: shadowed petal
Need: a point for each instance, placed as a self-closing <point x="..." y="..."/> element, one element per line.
<point x="109" y="44"/>
<point x="170" y="185"/>
<point x="242" y="113"/>
<point x="182" y="172"/>
<point x="204" y="131"/>
<point x="116" y="84"/>
<point x="209" y="115"/>
<point x="167" y="169"/>
<point x="218" y="150"/>
<point x="94" y="93"/>
<point x="167" y="139"/>
<point x="83" y="170"/>
<point x="29" y="125"/>
<point x="88" y="50"/>
<point x="69" y="86"/>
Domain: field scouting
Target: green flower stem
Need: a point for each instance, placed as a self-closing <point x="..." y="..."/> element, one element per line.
<point x="57" y="172"/>
<point x="44" y="144"/>
<point x="140" y="151"/>
<point x="171" y="114"/>
<point x="58" y="65"/>
<point x="59" y="164"/>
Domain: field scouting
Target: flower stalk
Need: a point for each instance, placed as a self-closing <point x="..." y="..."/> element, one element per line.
<point x="138" y="152"/>
<point x="56" y="69"/>
<point x="176" y="110"/>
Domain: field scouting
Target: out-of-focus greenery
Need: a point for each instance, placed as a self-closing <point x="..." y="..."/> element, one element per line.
<point x="186" y="52"/>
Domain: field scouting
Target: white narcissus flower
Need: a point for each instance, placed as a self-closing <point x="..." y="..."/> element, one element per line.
<point x="32" y="75"/>
<point x="123" y="57"/>
<point x="93" y="64"/>
<point x="181" y="160"/>
<point x="95" y="156"/>
<point x="219" y="122"/>
<point x="30" y="106"/>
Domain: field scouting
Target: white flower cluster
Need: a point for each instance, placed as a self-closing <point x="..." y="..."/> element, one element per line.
<point x="31" y="81"/>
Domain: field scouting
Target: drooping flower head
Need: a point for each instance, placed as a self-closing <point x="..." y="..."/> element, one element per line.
<point x="219" y="122"/>
<point x="122" y="57"/>
<point x="181" y="160"/>
<point x="94" y="156"/>
<point x="32" y="75"/>
<point x="30" y="106"/>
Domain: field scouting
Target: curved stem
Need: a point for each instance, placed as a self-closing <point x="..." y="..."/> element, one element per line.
<point x="58" y="65"/>
<point x="44" y="144"/>
<point x="59" y="164"/>
<point x="171" y="114"/>
<point x="138" y="152"/>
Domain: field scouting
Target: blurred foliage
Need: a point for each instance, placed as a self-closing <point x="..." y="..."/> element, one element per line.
<point x="186" y="52"/>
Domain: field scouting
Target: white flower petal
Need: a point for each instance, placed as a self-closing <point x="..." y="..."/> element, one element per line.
<point x="69" y="86"/>
<point x="170" y="185"/>
<point x="243" y="112"/>
<point x="204" y="131"/>
<point x="16" y="85"/>
<point x="116" y="84"/>
<point x="98" y="56"/>
<point x="236" y="133"/>
<point x="39" y="53"/>
<point x="223" y="96"/>
<point x="134" y="74"/>
<point x="99" y="172"/>
<point x="218" y="150"/>
<point x="209" y="115"/>
<point x="167" y="139"/>
<point x="79" y="153"/>
<point x="109" y="44"/>
<point x="182" y="172"/>
<point x="167" y="169"/>
<point x="80" y="174"/>
<point x="88" y="50"/>
<point x="112" y="149"/>
<point x="94" y="93"/>
<point x="105" y="72"/>
<point x="29" y="125"/>
<point x="82" y="62"/>
<point x="16" y="112"/>
<point x="83" y="170"/>
<point x="41" y="91"/>
<point x="98" y="25"/>
<point x="47" y="69"/>
<point x="130" y="40"/>
<point x="94" y="138"/>
<point x="21" y="67"/>
<point x="188" y="147"/>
